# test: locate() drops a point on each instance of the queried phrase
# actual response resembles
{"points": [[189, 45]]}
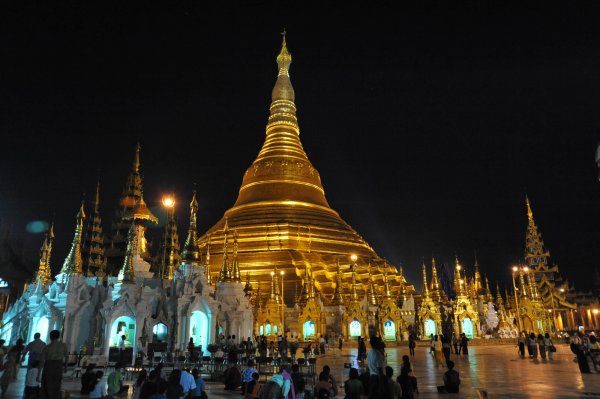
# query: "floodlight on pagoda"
{"points": [[595, 311], [515, 269], [353, 257], [525, 269]]}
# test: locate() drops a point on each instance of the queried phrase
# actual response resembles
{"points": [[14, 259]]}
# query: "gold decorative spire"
{"points": [[235, 267], [277, 293], [207, 264], [371, 293], [387, 293], [436, 291], [458, 281], [522, 285], [191, 252], [354, 294], [44, 273], [273, 295], [425, 291], [499, 300], [532, 286], [171, 268], [73, 262], [142, 212], [529, 212], [127, 273], [304, 294], [337, 299], [477, 286], [488, 293], [402, 295], [224, 273], [92, 247], [311, 288]]}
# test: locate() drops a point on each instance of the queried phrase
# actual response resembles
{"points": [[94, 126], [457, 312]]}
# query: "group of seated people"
{"points": [[154, 385]]}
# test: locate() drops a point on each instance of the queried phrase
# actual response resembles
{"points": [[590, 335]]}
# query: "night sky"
{"points": [[428, 125]]}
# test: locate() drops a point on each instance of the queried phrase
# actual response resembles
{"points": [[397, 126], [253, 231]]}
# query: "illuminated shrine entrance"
{"points": [[309, 329], [389, 330], [160, 333], [199, 329], [124, 325], [355, 328], [467, 327], [429, 327], [43, 325]]}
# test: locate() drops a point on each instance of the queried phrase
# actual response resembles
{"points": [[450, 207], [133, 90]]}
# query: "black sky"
{"points": [[428, 124]]}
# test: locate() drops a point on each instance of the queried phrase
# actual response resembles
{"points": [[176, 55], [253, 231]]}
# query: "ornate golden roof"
{"points": [[281, 215]]}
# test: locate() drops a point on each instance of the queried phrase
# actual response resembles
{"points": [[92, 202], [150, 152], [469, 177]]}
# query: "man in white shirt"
{"points": [[187, 382]]}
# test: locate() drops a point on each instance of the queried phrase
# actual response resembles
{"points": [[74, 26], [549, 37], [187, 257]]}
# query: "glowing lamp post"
{"points": [[169, 203], [281, 273]]}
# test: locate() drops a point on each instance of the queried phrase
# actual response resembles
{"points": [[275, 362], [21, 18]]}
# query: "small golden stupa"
{"points": [[283, 220]]}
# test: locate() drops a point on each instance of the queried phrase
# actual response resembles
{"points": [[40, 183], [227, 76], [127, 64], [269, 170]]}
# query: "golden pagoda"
{"points": [[466, 317], [281, 215], [429, 310]]}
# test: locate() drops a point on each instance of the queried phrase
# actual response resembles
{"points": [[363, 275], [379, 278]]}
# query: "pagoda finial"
{"points": [[284, 59], [171, 269], [436, 291], [387, 293], [425, 291], [337, 299], [371, 294], [458, 282], [44, 271], [97, 198], [354, 293], [224, 273], [529, 212], [235, 267], [191, 252], [207, 263], [73, 263], [136, 158], [498, 294], [488, 293], [304, 294], [283, 89], [127, 272]]}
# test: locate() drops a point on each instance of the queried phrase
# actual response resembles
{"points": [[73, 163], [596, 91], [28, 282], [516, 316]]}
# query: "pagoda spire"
{"points": [[172, 265], [92, 249], [499, 299], [235, 267], [304, 294], [169, 242], [425, 291], [354, 294], [477, 286], [522, 286], [458, 284], [387, 293], [207, 264], [44, 273], [488, 293], [224, 273], [127, 273], [536, 256], [371, 294], [73, 262], [337, 299], [277, 293], [436, 291], [191, 252]]}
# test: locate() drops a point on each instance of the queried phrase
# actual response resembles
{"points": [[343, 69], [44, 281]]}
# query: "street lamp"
{"points": [[169, 204]]}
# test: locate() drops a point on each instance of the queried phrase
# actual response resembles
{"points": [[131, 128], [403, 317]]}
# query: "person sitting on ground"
{"points": [[247, 375], [451, 380], [323, 387], [232, 378], [88, 379], [115, 382], [161, 389], [187, 382], [406, 382], [150, 387], [253, 387], [394, 387], [174, 388], [99, 387], [139, 383], [284, 380], [198, 392], [331, 379], [32, 386], [298, 382], [365, 378], [353, 387]]}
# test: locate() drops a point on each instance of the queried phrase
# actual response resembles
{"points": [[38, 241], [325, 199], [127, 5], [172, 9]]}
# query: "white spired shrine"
{"points": [[95, 312]]}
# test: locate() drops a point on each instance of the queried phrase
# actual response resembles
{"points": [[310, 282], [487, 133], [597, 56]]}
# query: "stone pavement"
{"points": [[495, 369]]}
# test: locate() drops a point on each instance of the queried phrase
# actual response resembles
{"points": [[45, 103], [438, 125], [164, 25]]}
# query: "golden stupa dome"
{"points": [[282, 218]]}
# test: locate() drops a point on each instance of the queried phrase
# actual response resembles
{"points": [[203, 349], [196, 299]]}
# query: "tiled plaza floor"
{"points": [[495, 369]]}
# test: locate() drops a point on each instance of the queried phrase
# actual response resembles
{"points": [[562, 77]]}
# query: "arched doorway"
{"points": [[467, 327], [355, 330], [43, 325], [123, 325], [160, 333], [308, 329], [199, 329], [430, 327], [389, 330]]}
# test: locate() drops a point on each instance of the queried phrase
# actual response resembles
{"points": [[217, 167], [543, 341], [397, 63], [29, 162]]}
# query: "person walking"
{"points": [[340, 342], [541, 346], [521, 344], [451, 380], [362, 349], [432, 344], [455, 343], [34, 348], [11, 367], [464, 342], [532, 346], [412, 343], [32, 386], [393, 386], [375, 365], [53, 363], [529, 345], [437, 350], [446, 347], [549, 346]]}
